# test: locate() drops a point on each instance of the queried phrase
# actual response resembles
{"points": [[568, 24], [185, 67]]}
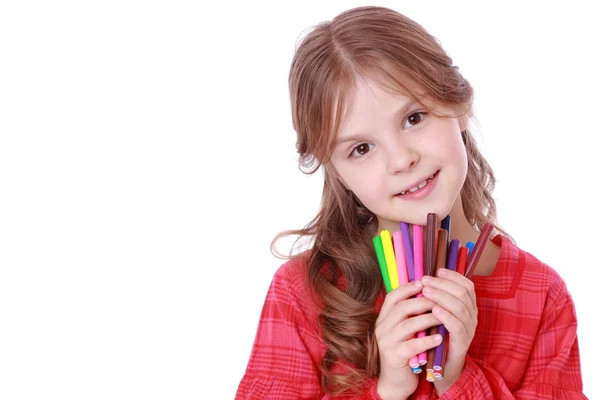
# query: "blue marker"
{"points": [[470, 246]]}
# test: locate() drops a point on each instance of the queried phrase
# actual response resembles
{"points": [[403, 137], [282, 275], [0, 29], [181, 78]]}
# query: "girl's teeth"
{"points": [[420, 186]]}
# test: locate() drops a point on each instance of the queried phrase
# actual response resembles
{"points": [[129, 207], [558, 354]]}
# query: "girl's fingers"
{"points": [[397, 295], [402, 312], [410, 327], [460, 308], [457, 328], [416, 346], [458, 279], [453, 283]]}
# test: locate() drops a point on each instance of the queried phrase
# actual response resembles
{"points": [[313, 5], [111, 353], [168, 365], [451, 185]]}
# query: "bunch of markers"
{"points": [[406, 256]]}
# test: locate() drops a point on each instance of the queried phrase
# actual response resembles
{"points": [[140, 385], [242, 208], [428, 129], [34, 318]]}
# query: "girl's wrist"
{"points": [[386, 392]]}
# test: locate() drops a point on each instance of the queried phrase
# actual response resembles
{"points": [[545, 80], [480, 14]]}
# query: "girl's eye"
{"points": [[415, 118], [360, 150]]}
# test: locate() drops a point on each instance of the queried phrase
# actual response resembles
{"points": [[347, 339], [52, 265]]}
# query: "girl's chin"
{"points": [[393, 222]]}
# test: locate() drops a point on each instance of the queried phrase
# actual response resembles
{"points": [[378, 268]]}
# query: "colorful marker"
{"points": [[461, 266], [470, 246], [451, 264], [430, 251], [390, 258], [478, 250], [408, 251], [440, 262], [402, 275], [445, 224], [400, 258], [382, 264], [430, 245], [419, 271]]}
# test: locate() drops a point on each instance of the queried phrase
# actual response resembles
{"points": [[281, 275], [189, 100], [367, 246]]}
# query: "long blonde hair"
{"points": [[388, 47]]}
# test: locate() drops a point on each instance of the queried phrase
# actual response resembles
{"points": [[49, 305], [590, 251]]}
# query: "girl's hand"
{"points": [[456, 308], [395, 330]]}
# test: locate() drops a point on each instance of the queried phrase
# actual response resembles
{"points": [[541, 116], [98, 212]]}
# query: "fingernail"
{"points": [[426, 279], [437, 310], [442, 272], [418, 284], [437, 338], [427, 290]]}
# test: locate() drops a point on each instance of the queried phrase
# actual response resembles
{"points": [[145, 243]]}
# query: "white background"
{"points": [[147, 160]]}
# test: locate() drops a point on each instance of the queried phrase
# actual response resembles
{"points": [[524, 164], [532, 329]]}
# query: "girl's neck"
{"points": [[462, 230]]}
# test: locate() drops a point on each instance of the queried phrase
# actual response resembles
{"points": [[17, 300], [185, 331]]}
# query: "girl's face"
{"points": [[399, 160]]}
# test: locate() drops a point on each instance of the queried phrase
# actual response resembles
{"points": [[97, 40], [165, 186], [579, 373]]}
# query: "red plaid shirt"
{"points": [[525, 346]]}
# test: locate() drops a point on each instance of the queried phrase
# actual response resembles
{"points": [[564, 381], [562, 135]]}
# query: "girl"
{"points": [[379, 106]]}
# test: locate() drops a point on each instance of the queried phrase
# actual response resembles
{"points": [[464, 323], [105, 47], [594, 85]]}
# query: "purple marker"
{"points": [[451, 262], [453, 255], [408, 251]]}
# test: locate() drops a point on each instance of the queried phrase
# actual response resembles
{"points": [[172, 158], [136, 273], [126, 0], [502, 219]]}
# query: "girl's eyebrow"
{"points": [[351, 138], [357, 136]]}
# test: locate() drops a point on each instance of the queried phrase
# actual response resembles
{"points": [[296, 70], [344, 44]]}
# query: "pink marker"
{"points": [[400, 258], [403, 280], [419, 271]]}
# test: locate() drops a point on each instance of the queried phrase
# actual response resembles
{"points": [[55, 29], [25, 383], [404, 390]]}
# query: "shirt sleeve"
{"points": [[285, 357], [553, 371]]}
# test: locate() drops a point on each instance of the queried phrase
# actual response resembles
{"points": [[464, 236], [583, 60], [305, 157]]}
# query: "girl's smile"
{"points": [[421, 189]]}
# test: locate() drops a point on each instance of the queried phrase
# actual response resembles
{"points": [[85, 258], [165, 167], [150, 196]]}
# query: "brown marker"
{"points": [[442, 248], [430, 249], [430, 245]]}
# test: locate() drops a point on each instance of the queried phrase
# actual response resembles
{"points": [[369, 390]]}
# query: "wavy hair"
{"points": [[343, 274]]}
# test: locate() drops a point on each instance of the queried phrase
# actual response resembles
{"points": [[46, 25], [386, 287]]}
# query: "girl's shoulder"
{"points": [[518, 270], [293, 270], [290, 285]]}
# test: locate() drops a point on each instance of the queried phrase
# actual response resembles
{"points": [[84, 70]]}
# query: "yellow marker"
{"points": [[430, 377], [390, 257]]}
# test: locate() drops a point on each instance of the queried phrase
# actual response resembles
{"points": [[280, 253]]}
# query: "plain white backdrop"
{"points": [[147, 160]]}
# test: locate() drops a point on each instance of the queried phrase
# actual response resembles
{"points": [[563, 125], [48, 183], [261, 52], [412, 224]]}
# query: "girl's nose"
{"points": [[401, 157]]}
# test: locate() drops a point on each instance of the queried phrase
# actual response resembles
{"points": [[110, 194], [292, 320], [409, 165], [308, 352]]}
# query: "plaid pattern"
{"points": [[525, 346]]}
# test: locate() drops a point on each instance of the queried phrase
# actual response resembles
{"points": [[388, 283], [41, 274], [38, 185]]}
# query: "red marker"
{"points": [[478, 250]]}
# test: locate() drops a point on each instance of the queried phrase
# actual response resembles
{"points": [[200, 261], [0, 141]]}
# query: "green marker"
{"points": [[382, 263]]}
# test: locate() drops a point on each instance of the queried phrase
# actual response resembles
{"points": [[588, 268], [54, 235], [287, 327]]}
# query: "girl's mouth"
{"points": [[420, 185]]}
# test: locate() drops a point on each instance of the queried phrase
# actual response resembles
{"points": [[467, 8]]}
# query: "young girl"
{"points": [[378, 105]]}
